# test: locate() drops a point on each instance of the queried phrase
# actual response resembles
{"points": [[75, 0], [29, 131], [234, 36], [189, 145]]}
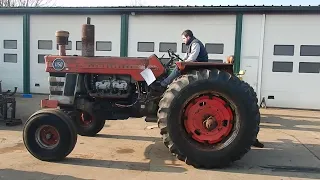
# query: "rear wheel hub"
{"points": [[210, 123], [208, 119], [85, 119]]}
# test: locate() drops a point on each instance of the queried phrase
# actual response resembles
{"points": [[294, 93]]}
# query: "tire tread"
{"points": [[214, 75]]}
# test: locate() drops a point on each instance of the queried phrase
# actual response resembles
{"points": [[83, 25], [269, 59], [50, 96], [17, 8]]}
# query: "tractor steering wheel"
{"points": [[173, 57]]}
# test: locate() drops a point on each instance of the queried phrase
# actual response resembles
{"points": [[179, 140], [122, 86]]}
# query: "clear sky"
{"points": [[183, 2]]}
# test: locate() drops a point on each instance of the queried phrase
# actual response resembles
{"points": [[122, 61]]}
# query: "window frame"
{"points": [[305, 45], [287, 62], [103, 42], [45, 48], [78, 49], [4, 43], [317, 63], [279, 45], [153, 46], [173, 43], [205, 46], [4, 57], [66, 46]]}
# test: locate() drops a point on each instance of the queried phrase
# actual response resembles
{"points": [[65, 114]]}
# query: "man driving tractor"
{"points": [[196, 52]]}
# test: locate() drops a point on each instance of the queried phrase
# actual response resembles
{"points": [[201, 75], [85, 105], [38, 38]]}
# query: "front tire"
{"points": [[49, 135], [209, 118]]}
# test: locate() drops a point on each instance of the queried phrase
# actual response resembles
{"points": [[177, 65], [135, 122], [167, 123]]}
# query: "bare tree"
{"points": [[26, 3], [6, 3], [137, 3]]}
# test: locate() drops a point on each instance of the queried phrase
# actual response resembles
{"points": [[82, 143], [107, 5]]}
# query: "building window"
{"points": [[184, 48], [41, 58], [310, 50], [309, 67], [10, 44], [282, 66], [145, 46], [68, 46], [214, 48], [79, 45], [45, 44], [165, 46], [283, 50], [104, 45], [11, 58]]}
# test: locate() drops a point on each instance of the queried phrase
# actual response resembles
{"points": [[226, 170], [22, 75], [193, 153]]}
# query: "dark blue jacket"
{"points": [[203, 54]]}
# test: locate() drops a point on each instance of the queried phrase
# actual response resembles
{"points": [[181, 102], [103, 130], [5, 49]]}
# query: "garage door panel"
{"points": [[11, 52], [290, 99], [43, 41], [217, 32], [291, 69]]}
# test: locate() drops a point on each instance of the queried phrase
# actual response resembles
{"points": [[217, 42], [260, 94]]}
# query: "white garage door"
{"points": [[43, 41], [11, 52], [291, 64], [157, 33]]}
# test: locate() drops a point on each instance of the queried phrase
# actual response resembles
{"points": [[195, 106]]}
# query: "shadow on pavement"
{"points": [[110, 164], [157, 156], [135, 138], [11, 174], [290, 123], [282, 158]]}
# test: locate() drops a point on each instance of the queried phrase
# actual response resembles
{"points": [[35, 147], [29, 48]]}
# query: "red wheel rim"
{"points": [[208, 119], [85, 118], [47, 136]]}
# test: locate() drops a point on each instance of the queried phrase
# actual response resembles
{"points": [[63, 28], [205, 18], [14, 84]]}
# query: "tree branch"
{"points": [[27, 3], [137, 3]]}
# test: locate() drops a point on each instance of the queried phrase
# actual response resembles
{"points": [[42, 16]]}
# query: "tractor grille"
{"points": [[63, 86], [56, 85]]}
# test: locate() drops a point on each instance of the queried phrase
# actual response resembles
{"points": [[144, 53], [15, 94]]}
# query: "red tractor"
{"points": [[207, 117]]}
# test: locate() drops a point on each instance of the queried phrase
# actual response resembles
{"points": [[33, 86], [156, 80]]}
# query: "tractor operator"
{"points": [[196, 52]]}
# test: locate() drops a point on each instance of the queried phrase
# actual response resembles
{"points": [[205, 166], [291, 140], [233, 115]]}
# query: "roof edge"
{"points": [[160, 9]]}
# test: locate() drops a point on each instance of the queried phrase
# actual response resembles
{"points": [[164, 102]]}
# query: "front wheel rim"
{"points": [[47, 137]]}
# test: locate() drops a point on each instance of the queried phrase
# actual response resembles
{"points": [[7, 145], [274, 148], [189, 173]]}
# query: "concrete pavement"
{"points": [[128, 149]]}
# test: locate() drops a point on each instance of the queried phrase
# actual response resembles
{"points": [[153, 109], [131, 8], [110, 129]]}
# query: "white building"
{"points": [[278, 46]]}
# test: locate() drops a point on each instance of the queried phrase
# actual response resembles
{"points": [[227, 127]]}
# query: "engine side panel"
{"points": [[111, 86], [104, 65]]}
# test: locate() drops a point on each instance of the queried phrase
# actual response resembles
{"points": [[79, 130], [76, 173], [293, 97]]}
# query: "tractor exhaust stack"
{"points": [[88, 39]]}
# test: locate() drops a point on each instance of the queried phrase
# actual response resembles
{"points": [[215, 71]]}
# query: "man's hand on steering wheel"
{"points": [[172, 57]]}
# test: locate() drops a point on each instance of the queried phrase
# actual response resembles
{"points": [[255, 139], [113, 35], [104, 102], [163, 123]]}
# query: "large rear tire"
{"points": [[209, 118], [49, 135]]}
